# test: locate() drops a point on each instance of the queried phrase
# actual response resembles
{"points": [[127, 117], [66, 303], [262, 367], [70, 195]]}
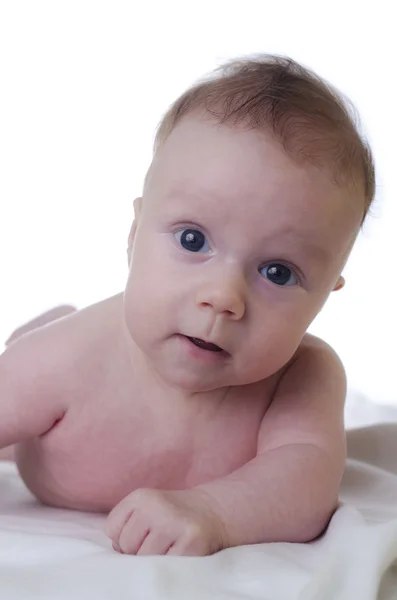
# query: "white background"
{"points": [[82, 87]]}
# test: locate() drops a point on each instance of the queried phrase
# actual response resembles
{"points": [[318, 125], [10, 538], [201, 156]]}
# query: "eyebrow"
{"points": [[320, 253]]}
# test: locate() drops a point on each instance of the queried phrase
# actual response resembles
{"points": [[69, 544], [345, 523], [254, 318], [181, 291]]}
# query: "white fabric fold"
{"points": [[52, 554]]}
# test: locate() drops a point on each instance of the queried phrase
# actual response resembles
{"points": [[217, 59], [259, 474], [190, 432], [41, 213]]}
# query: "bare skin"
{"points": [[170, 463], [48, 317], [195, 449]]}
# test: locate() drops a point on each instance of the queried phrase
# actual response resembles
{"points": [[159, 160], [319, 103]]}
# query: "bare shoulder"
{"points": [[28, 404], [47, 356], [45, 370], [313, 342], [314, 366], [48, 316], [308, 405], [29, 400], [315, 352]]}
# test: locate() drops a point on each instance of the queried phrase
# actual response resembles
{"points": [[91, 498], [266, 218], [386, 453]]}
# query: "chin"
{"points": [[191, 385], [189, 382]]}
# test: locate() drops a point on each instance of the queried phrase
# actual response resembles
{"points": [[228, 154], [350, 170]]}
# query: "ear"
{"points": [[131, 236], [339, 284]]}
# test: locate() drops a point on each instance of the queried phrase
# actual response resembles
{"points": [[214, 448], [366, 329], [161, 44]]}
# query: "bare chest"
{"points": [[96, 454]]}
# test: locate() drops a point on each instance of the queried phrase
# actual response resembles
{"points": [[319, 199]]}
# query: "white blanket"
{"points": [[63, 555]]}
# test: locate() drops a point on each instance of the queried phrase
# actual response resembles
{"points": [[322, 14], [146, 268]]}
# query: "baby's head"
{"points": [[258, 187]]}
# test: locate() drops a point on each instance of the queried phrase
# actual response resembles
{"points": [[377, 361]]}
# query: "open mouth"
{"points": [[204, 345]]}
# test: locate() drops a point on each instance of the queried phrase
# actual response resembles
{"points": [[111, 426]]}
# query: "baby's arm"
{"points": [[290, 490], [28, 405]]}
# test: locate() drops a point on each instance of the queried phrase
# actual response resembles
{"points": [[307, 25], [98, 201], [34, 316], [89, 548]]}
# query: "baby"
{"points": [[194, 406]]}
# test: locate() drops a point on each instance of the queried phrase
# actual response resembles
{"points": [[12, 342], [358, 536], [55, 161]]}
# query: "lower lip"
{"points": [[200, 353]]}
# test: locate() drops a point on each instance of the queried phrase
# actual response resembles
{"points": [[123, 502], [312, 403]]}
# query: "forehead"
{"points": [[233, 173]]}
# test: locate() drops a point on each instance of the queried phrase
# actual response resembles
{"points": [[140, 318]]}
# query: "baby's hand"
{"points": [[178, 523]]}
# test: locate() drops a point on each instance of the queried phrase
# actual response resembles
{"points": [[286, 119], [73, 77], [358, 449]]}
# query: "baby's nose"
{"points": [[227, 297]]}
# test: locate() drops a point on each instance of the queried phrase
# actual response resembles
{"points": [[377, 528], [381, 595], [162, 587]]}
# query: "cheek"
{"points": [[275, 341], [136, 310], [139, 295], [148, 295], [277, 349]]}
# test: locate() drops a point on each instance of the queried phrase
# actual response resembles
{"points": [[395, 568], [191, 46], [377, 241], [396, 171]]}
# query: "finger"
{"points": [[117, 519], [184, 547], [177, 550], [155, 544], [133, 534]]}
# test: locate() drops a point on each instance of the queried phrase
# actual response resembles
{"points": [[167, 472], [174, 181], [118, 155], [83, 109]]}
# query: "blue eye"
{"points": [[192, 240], [279, 274]]}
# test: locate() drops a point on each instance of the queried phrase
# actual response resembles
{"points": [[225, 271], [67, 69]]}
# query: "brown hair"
{"points": [[310, 118]]}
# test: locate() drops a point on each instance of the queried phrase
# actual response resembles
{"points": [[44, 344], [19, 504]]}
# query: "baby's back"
{"points": [[118, 432]]}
